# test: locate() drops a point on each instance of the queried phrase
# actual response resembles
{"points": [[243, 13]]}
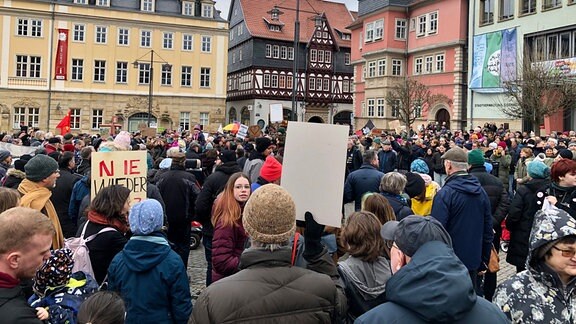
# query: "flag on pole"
{"points": [[64, 124]]}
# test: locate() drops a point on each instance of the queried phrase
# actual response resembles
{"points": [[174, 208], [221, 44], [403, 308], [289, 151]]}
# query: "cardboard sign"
{"points": [[126, 168], [317, 187], [254, 131], [148, 132], [276, 113], [242, 131], [395, 125], [376, 131]]}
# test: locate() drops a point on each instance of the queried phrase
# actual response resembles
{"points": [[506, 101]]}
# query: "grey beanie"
{"points": [[40, 167]]}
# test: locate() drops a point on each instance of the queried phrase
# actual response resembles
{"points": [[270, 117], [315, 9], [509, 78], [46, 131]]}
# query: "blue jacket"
{"points": [[387, 161], [399, 205], [463, 208], [366, 179], [434, 287], [152, 280], [80, 190]]}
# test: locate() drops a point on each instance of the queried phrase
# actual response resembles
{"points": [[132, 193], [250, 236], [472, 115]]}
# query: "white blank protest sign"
{"points": [[314, 173], [276, 113]]}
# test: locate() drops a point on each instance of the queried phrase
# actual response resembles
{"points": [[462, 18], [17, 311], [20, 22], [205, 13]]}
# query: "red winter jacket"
{"points": [[227, 246]]}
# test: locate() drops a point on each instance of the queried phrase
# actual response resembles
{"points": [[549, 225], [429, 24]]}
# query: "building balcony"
{"points": [[27, 82]]}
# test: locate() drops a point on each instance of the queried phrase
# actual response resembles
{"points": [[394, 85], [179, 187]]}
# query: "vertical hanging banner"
{"points": [[125, 168], [494, 60], [62, 55]]}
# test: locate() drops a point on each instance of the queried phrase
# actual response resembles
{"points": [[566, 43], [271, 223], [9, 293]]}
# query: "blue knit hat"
{"points": [[419, 166], [538, 170], [146, 217]]}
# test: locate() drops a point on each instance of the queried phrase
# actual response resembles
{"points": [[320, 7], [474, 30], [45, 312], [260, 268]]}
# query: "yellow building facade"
{"points": [[97, 59]]}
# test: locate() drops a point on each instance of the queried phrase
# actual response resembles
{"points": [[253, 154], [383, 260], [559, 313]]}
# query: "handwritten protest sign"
{"points": [[242, 131], [317, 187], [128, 169]]}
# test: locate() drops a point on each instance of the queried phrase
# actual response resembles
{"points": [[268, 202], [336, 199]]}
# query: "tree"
{"points": [[539, 89], [408, 97]]}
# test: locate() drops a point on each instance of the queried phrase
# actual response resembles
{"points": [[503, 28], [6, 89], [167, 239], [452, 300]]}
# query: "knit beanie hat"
{"points": [[502, 144], [538, 170], [146, 217], [475, 157], [40, 167], [123, 139], [228, 156], [419, 166], [54, 272], [565, 153], [415, 185], [262, 143], [21, 162], [4, 154], [270, 215], [271, 169]]}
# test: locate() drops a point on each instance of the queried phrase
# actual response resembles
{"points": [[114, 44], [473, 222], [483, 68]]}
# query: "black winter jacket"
{"points": [[438, 163], [498, 195], [61, 200], [404, 158], [14, 308], [387, 161]]}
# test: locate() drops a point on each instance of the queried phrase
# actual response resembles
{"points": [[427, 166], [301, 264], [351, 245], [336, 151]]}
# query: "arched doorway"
{"points": [[443, 116], [140, 118], [316, 119], [343, 118], [232, 115], [245, 116]]}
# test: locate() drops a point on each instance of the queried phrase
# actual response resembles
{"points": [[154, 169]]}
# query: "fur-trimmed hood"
{"points": [[16, 173]]}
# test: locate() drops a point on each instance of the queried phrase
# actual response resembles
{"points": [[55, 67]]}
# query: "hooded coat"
{"points": [[13, 178], [434, 287], [152, 280], [536, 295]]}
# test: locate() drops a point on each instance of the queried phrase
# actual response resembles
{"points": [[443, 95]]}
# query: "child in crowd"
{"points": [[104, 307]]}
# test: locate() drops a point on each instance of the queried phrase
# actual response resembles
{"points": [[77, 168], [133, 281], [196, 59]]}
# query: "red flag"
{"points": [[64, 124]]}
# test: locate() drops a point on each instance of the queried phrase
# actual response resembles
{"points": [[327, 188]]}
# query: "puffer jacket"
{"points": [[537, 295], [227, 247], [497, 194], [269, 290]]}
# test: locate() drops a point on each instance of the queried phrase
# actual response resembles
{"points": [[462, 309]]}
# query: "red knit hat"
{"points": [[271, 169], [502, 144]]}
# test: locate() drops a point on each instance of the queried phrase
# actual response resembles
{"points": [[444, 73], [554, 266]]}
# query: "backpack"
{"points": [[80, 251]]}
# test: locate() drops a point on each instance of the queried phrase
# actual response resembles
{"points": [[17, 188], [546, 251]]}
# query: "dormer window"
{"points": [[275, 13], [188, 8], [275, 28], [147, 5], [207, 10], [346, 36]]}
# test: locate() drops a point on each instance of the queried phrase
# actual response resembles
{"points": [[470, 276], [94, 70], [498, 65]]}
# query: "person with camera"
{"points": [[504, 160]]}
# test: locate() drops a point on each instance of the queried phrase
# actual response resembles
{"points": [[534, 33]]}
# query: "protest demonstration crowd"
{"points": [[432, 209]]}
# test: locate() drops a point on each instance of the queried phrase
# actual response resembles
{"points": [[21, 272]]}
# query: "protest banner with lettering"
{"points": [[128, 169], [242, 131], [317, 187]]}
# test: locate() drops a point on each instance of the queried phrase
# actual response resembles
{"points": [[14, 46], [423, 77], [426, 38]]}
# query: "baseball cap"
{"points": [[455, 154], [413, 231]]}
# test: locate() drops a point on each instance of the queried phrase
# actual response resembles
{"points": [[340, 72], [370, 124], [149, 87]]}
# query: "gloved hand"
{"points": [[312, 237]]}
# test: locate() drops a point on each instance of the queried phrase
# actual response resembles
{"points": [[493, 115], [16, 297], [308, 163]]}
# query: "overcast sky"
{"points": [[224, 5]]}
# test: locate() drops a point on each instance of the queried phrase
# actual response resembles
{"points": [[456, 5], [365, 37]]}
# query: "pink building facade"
{"points": [[424, 40]]}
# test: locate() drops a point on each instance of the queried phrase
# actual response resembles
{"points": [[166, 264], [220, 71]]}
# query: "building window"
{"points": [[206, 44], [22, 27], [370, 107], [187, 42], [145, 38], [266, 83], [282, 82], [204, 120], [400, 29], [486, 11], [291, 53], [233, 58], [346, 58], [506, 9], [289, 82], [313, 55], [240, 55], [327, 56], [549, 4], [319, 84], [381, 67], [26, 116], [268, 50], [185, 120], [101, 34], [204, 77], [421, 25], [274, 81], [79, 33], [123, 36], [207, 10], [552, 45], [418, 65], [103, 3], [36, 30], [428, 64], [380, 107], [75, 118], [378, 29], [77, 70], [283, 52], [166, 76], [240, 29], [21, 66], [188, 8], [99, 71], [369, 32], [396, 109], [417, 110], [528, 6], [440, 63], [97, 118], [371, 69], [326, 84], [29, 27], [312, 83], [433, 22], [345, 86], [143, 73], [28, 66], [321, 56], [121, 72], [81, 1], [396, 67], [147, 5], [186, 76], [168, 41], [275, 51]]}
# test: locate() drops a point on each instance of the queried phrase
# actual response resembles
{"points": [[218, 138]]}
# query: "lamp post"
{"points": [[165, 65]]}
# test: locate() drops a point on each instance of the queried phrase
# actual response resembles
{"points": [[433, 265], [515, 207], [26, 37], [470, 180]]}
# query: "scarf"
{"points": [[37, 197], [97, 218], [7, 281]]}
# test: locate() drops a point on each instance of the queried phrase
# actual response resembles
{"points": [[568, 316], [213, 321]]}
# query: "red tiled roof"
{"points": [[256, 14]]}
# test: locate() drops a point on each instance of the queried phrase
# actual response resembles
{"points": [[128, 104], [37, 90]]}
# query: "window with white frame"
{"points": [[103, 3], [506, 9], [396, 67], [276, 51], [439, 62], [421, 25], [26, 116], [81, 1], [101, 34], [184, 120], [312, 83], [147, 5], [232, 34], [370, 104], [75, 115], [21, 66], [382, 67], [121, 72], [428, 63], [283, 52], [166, 75], [233, 57], [187, 42], [36, 28], [328, 56], [168, 40], [206, 44], [433, 22], [99, 71], [291, 53], [417, 111], [29, 27], [326, 84], [143, 73], [549, 4], [207, 10], [240, 55], [313, 55], [319, 84], [400, 29], [395, 109], [188, 8], [418, 63], [266, 82], [345, 86], [22, 29], [289, 82], [268, 52], [28, 66], [369, 32], [527, 6], [205, 77], [186, 76], [240, 29], [380, 107], [204, 118], [123, 36], [346, 58], [145, 38], [97, 118], [282, 81], [371, 69], [321, 56], [79, 32], [274, 81], [77, 70], [378, 29]]}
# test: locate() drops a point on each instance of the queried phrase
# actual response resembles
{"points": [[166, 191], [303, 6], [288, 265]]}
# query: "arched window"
{"points": [[232, 115]]}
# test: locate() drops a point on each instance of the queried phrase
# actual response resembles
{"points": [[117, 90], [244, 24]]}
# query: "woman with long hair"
{"points": [[229, 236]]}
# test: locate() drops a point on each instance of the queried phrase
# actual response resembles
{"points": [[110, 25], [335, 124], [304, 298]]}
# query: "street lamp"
{"points": [[165, 66]]}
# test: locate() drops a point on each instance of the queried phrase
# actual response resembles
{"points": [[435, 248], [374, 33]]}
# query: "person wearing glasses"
{"points": [[545, 292]]}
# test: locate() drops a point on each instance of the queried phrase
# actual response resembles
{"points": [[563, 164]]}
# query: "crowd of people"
{"points": [[429, 210]]}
